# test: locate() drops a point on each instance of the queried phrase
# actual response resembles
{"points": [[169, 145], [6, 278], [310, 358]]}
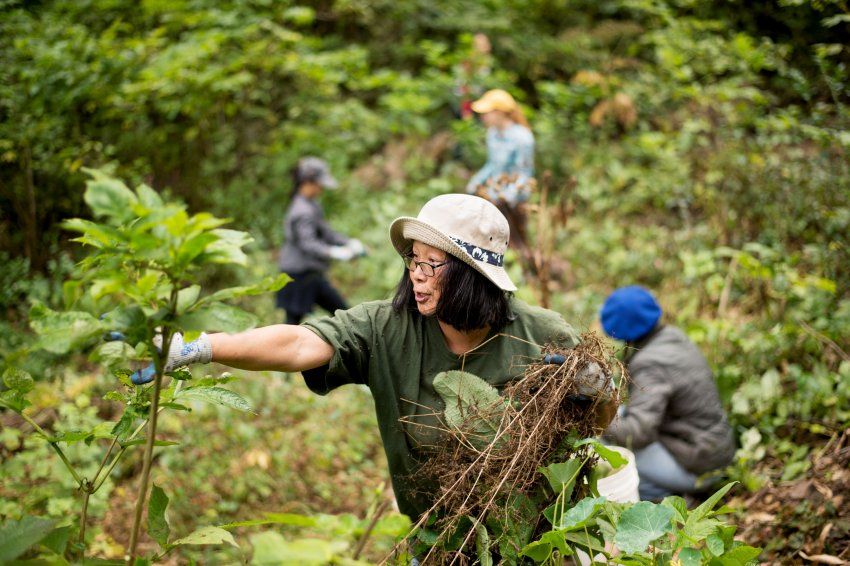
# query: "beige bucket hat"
{"points": [[468, 227]]}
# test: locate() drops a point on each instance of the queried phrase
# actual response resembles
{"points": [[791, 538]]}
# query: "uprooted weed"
{"points": [[476, 475]]}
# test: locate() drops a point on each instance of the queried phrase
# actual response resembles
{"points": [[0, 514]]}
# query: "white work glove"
{"points": [[341, 253], [179, 354], [356, 247], [594, 382]]}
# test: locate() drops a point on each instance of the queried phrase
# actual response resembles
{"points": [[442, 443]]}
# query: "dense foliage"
{"points": [[698, 148]]}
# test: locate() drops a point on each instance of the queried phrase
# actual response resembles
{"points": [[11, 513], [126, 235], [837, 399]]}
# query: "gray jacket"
{"points": [[308, 238], [673, 399]]}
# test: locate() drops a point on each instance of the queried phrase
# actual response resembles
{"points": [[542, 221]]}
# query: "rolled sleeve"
{"points": [[350, 333]]}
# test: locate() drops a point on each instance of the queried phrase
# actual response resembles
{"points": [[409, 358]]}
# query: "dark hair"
{"points": [[473, 302]]}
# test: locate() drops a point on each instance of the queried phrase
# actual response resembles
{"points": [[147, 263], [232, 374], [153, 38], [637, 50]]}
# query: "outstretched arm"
{"points": [[280, 347]]}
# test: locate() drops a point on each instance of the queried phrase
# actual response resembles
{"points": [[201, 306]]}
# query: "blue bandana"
{"points": [[480, 254]]}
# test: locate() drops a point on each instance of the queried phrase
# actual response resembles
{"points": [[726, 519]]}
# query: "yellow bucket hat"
{"points": [[496, 99]]}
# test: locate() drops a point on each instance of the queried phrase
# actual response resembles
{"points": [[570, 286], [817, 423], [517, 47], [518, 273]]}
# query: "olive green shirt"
{"points": [[397, 354]]}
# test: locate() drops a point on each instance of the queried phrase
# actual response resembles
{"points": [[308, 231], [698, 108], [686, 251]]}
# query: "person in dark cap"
{"points": [[310, 244], [673, 421]]}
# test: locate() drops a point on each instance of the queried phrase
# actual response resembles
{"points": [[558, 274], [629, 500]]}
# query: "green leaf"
{"points": [[271, 548], [207, 535], [470, 403], [268, 285], [581, 513], [216, 316], [228, 248], [742, 555], [690, 557], [678, 505], [124, 424], [107, 196], [157, 523], [72, 436], [292, 519], [186, 298], [705, 508], [57, 540], [18, 379], [562, 476], [61, 332], [714, 544], [148, 197], [641, 524], [610, 455], [539, 550], [17, 536], [482, 545], [218, 396]]}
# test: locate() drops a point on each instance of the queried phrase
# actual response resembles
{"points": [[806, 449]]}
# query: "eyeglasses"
{"points": [[428, 269]]}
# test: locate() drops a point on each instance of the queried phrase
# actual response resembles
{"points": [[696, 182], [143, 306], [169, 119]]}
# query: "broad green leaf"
{"points": [[539, 550], [57, 540], [471, 404], [186, 298], [218, 396], [228, 247], [71, 436], [113, 354], [157, 523], [270, 548], [581, 513], [207, 535], [18, 379], [61, 332], [562, 476], [690, 557], [124, 424], [148, 197], [393, 525], [17, 536], [740, 556], [641, 524], [610, 455], [714, 544], [678, 505], [267, 285], [216, 316], [14, 399], [107, 196]]}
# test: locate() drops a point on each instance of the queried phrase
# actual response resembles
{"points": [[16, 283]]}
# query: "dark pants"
{"points": [[305, 290]]}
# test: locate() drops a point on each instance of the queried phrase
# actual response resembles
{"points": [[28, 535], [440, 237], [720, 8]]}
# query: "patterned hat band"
{"points": [[480, 254]]}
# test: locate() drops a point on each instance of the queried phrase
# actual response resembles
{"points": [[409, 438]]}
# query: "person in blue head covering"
{"points": [[673, 420]]}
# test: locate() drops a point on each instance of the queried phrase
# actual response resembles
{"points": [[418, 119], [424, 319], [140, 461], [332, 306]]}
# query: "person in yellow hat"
{"points": [[507, 178]]}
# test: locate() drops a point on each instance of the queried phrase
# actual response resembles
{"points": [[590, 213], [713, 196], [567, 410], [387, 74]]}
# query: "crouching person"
{"points": [[673, 420]]}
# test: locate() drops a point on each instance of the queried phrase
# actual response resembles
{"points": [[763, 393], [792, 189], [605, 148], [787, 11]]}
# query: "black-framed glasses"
{"points": [[429, 269]]}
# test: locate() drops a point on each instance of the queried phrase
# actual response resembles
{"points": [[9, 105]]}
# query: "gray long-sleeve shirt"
{"points": [[308, 237], [673, 399]]}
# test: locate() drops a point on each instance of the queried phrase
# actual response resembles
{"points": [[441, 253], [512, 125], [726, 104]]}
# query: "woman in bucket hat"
{"points": [[452, 310], [507, 178]]}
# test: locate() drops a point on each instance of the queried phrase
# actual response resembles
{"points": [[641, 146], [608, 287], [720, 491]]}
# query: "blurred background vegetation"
{"points": [[698, 148]]}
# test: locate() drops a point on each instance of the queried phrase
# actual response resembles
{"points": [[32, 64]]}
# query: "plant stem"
{"points": [[365, 536], [55, 447], [146, 465], [87, 491]]}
